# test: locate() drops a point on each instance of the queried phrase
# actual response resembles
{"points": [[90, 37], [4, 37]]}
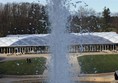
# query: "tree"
{"points": [[38, 18], [23, 18], [106, 19], [84, 20]]}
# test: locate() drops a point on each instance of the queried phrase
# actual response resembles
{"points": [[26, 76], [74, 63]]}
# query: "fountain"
{"points": [[59, 67]]}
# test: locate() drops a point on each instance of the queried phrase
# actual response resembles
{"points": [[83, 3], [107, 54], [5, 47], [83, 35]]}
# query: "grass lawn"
{"points": [[98, 63], [22, 67]]}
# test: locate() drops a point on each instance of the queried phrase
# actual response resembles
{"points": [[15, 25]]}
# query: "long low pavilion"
{"points": [[79, 42]]}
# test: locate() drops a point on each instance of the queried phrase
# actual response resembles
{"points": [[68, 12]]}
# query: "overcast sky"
{"points": [[97, 5]]}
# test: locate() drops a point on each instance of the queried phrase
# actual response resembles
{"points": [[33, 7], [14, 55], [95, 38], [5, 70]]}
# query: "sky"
{"points": [[97, 5]]}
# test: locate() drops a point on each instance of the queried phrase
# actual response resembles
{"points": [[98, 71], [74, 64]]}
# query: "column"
{"points": [[4, 50], [73, 49], [90, 48], [9, 50], [84, 48], [107, 47], [30, 49], [95, 48], [113, 47], [22, 49], [87, 48], [77, 49], [104, 47], [1, 50], [100, 47], [19, 49]]}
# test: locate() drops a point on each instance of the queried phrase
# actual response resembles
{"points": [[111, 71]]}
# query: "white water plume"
{"points": [[59, 68]]}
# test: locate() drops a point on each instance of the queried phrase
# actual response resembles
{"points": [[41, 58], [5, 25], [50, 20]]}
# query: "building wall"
{"points": [[72, 49]]}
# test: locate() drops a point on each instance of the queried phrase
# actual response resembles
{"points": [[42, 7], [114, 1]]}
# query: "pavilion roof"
{"points": [[43, 39]]}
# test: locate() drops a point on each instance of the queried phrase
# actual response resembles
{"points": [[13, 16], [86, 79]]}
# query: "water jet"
{"points": [[59, 66]]}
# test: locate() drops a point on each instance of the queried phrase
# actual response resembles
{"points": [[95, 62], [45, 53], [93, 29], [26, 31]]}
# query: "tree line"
{"points": [[22, 18], [91, 21], [32, 18]]}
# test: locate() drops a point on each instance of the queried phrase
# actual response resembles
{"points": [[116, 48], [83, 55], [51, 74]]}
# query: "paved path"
{"points": [[4, 57], [74, 65], [34, 79]]}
